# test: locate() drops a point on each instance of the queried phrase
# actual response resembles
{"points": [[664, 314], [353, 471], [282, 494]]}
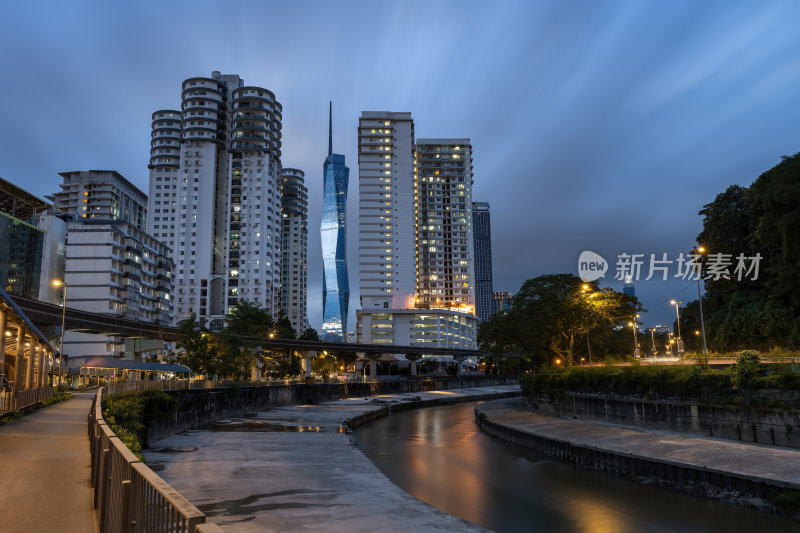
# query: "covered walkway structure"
{"points": [[25, 358], [99, 370]]}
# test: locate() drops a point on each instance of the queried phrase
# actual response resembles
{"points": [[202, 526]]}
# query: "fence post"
{"points": [[125, 511]]}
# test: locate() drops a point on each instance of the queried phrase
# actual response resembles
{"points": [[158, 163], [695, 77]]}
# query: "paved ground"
{"points": [[293, 469], [752, 461], [44, 461]]}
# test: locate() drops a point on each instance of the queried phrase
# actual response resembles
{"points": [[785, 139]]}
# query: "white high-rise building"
{"points": [[387, 248], [112, 265], [219, 210], [294, 234], [415, 237]]}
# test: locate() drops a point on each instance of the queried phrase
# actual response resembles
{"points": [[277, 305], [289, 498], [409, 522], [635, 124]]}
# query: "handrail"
{"points": [[128, 496], [10, 401]]}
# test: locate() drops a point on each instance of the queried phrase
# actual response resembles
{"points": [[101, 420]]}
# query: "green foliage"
{"points": [[746, 369], [689, 381], [788, 499], [286, 367], [229, 353], [551, 317], [310, 334], [130, 415], [765, 219], [283, 329]]}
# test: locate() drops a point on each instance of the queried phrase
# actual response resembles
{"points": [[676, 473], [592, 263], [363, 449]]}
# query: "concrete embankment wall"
{"points": [[735, 422], [690, 478], [366, 418], [202, 406]]}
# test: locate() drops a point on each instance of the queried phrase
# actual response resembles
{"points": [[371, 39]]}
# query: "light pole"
{"points": [[635, 326], [701, 250], [679, 341], [58, 283], [586, 287], [653, 338]]}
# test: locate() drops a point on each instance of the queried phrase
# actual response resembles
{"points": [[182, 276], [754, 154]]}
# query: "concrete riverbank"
{"points": [[749, 474], [294, 468]]}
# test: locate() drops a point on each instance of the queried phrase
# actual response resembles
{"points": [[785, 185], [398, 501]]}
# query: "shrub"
{"points": [[746, 369], [130, 415]]}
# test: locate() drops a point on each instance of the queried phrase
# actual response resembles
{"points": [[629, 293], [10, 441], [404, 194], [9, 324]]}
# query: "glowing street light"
{"points": [[61, 283], [678, 315], [701, 250]]}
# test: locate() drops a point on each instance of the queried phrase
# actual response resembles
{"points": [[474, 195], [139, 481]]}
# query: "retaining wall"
{"points": [[766, 426], [202, 406], [688, 478]]}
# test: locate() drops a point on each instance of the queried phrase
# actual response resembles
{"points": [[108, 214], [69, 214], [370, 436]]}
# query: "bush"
{"points": [[130, 415], [746, 370]]}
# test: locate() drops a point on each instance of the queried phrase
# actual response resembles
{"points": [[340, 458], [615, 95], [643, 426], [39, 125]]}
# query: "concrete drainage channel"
{"points": [[693, 479]]}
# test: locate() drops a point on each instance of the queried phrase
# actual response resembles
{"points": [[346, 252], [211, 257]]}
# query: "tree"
{"points": [[283, 329], [199, 352], [761, 219], [550, 315], [310, 334]]}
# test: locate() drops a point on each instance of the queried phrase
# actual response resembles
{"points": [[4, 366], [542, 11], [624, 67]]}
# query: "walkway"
{"points": [[294, 469], [757, 462], [44, 462]]}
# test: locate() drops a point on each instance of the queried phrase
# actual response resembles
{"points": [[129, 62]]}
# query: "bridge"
{"points": [[47, 314]]}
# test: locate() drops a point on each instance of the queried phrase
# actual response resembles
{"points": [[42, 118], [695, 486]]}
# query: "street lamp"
{"points": [[59, 283], [702, 250], [635, 326], [653, 338], [586, 287], [678, 316]]}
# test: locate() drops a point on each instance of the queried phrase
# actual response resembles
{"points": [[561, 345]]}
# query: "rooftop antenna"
{"points": [[330, 127]]}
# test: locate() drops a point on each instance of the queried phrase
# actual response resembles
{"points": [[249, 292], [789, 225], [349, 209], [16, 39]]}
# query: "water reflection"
{"points": [[439, 456]]}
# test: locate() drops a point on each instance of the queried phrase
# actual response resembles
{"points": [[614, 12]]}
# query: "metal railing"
{"points": [[128, 496], [10, 401]]}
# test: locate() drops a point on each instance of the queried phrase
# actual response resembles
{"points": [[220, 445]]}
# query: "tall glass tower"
{"points": [[335, 284]]}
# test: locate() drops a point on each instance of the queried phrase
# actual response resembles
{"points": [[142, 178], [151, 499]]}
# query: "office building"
{"points": [[112, 265], [219, 209], [397, 212], [628, 288], [21, 241], [482, 244], [502, 301], [294, 248], [333, 235]]}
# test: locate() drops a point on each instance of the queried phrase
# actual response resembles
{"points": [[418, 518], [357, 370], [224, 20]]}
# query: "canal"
{"points": [[439, 456]]}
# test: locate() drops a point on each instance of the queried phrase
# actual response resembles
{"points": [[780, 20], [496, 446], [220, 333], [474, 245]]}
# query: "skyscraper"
{"points": [[415, 236], [219, 208], [445, 269], [387, 246], [335, 282], [294, 247], [482, 239]]}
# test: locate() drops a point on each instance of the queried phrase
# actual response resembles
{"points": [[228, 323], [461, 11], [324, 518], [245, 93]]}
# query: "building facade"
{"points": [[502, 301], [445, 257], [333, 236], [482, 244], [112, 264], [224, 196], [415, 236], [294, 248], [22, 242], [386, 210]]}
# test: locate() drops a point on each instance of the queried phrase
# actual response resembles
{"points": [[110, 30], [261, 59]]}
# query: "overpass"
{"points": [[47, 314]]}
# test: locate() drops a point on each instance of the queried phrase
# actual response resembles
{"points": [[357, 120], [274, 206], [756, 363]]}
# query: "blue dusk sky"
{"points": [[596, 125]]}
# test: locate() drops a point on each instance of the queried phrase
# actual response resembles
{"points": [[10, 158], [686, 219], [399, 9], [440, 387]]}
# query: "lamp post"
{"points": [[635, 326], [679, 341], [58, 283], [653, 338], [586, 287], [701, 250]]}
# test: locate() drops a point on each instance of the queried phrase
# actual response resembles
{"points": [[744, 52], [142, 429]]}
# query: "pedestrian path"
{"points": [[44, 461], [773, 465]]}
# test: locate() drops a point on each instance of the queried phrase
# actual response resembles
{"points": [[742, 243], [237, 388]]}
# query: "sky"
{"points": [[595, 125]]}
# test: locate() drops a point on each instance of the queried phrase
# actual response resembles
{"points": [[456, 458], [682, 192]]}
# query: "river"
{"points": [[439, 456]]}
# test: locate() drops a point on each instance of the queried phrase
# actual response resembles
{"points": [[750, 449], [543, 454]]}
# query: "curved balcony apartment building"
{"points": [[219, 208]]}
